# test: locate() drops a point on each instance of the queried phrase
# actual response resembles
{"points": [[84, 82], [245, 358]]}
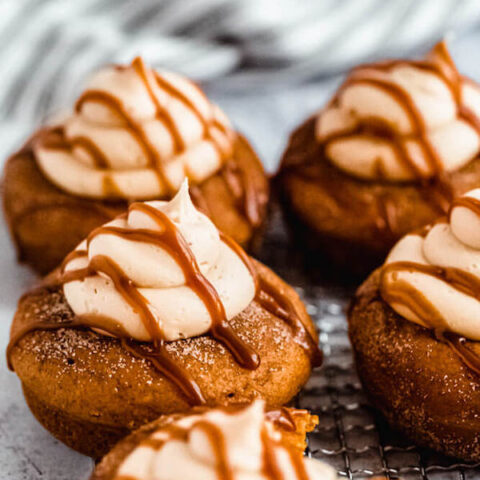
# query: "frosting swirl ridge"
{"points": [[432, 278], [217, 444], [402, 120], [136, 133], [154, 272]]}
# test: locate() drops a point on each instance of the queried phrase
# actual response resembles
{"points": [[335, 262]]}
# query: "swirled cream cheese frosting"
{"points": [[136, 134], [162, 270], [402, 120], [432, 277], [222, 445]]}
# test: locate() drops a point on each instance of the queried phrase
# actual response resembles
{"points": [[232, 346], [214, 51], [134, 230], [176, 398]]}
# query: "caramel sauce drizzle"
{"points": [[176, 245], [240, 187], [408, 296], [135, 128], [243, 192], [100, 160], [437, 190], [284, 418], [278, 304], [470, 203], [169, 238], [162, 113], [270, 469]]}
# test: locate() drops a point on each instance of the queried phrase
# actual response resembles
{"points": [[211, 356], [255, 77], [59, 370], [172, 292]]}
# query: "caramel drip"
{"points": [[274, 301], [135, 128], [416, 119], [53, 139], [161, 112], [470, 203], [278, 304], [298, 464], [165, 85], [184, 257], [271, 468], [217, 441], [243, 192], [99, 159], [173, 91], [462, 281], [56, 140], [127, 289], [79, 323], [438, 191], [459, 346], [110, 187], [446, 71], [179, 95], [414, 300], [283, 417], [16, 336], [387, 221], [74, 254], [233, 175], [161, 359], [172, 370]]}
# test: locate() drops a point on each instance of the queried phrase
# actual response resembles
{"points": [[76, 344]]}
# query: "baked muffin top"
{"points": [[161, 273]]}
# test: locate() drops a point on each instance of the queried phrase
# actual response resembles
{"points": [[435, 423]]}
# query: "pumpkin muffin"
{"points": [[134, 135], [154, 313], [414, 328], [398, 141], [240, 442]]}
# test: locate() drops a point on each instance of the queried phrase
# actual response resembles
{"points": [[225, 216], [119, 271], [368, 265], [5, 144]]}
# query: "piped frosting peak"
{"points": [[136, 133], [402, 120], [173, 257]]}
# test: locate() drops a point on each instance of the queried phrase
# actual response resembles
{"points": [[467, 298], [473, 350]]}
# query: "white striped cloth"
{"points": [[48, 47]]}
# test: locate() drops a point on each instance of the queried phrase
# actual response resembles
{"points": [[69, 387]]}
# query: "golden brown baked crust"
{"points": [[417, 382], [107, 468], [89, 391], [355, 222], [47, 223]]}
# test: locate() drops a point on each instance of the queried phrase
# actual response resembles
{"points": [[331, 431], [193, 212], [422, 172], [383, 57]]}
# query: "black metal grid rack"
{"points": [[351, 435]]}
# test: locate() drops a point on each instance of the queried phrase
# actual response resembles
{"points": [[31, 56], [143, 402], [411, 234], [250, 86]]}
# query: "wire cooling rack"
{"points": [[351, 435]]}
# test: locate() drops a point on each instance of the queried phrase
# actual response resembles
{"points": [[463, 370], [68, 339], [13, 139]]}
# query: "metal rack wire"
{"points": [[351, 435]]}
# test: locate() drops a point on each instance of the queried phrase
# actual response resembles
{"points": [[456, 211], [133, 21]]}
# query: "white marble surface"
{"points": [[27, 451]]}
